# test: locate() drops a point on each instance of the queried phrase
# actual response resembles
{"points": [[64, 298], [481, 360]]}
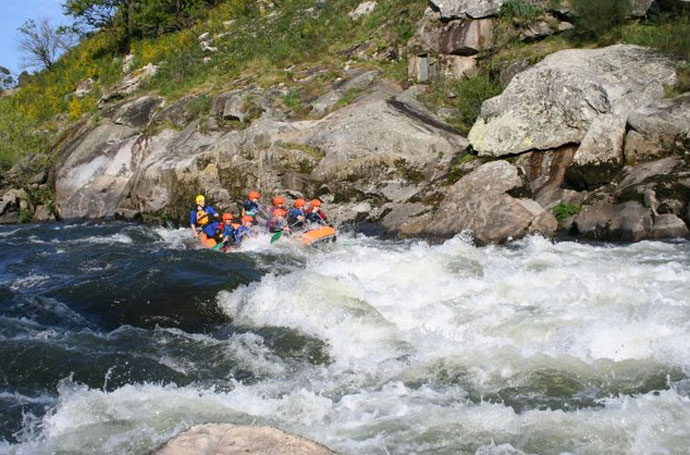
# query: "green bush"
{"points": [[597, 17], [471, 93], [565, 210]]}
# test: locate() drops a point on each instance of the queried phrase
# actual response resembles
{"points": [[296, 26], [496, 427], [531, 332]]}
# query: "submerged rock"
{"points": [[226, 439]]}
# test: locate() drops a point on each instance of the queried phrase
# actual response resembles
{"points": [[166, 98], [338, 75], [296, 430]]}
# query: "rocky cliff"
{"points": [[585, 129]]}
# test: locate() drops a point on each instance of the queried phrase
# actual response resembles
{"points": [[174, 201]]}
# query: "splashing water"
{"points": [[368, 346]]}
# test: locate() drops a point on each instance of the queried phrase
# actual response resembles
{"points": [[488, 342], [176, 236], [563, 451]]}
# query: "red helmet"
{"points": [[279, 212], [227, 216], [314, 203], [278, 200], [254, 195], [299, 203], [247, 219]]}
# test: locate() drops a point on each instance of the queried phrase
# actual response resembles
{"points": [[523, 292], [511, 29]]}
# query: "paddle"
{"points": [[277, 236]]}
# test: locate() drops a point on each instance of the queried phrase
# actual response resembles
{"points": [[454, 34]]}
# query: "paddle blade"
{"points": [[276, 236], [218, 246]]}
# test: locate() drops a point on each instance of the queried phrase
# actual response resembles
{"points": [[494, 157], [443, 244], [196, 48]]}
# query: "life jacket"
{"points": [[202, 217]]}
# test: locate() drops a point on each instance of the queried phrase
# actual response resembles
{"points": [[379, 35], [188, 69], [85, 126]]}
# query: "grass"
{"points": [[519, 9]]}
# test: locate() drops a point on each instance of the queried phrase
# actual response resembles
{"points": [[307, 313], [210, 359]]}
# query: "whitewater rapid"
{"points": [[376, 347]]}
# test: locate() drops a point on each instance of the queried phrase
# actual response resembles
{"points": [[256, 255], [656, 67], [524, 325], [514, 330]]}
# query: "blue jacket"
{"points": [[242, 232], [293, 214], [214, 229], [193, 215], [251, 208]]}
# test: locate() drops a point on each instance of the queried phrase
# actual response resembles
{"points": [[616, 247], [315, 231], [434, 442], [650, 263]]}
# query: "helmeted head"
{"points": [[253, 195], [200, 199], [247, 219], [299, 203], [278, 201], [227, 217], [279, 213], [314, 203]]}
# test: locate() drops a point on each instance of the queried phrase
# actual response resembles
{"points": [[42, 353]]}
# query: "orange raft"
{"points": [[322, 234], [209, 242]]}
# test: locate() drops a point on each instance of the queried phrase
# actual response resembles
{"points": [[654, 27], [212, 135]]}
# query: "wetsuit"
{"points": [[251, 208], [276, 225], [240, 234], [318, 217]]}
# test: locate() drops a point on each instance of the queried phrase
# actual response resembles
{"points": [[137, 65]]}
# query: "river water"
{"points": [[115, 337]]}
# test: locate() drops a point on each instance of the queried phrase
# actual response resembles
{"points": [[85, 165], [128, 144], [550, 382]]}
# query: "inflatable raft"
{"points": [[321, 234], [209, 242]]}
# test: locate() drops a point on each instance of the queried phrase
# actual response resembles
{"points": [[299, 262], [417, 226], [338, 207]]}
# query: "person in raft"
{"points": [[296, 217], [278, 222], [314, 213], [201, 214], [278, 203], [251, 207], [246, 230]]}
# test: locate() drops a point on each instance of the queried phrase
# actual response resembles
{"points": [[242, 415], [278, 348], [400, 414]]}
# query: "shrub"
{"points": [[520, 9], [471, 93], [565, 210], [597, 17]]}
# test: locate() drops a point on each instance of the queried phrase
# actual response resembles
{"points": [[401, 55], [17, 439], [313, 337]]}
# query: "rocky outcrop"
{"points": [[226, 439], [493, 204], [358, 83], [129, 84], [659, 129], [462, 9], [555, 102]]}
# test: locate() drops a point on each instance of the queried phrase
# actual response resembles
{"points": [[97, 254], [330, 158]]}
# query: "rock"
{"points": [[481, 202], [375, 134], [639, 8], [84, 87], [204, 36], [604, 220], [93, 178], [32, 169], [511, 70], [600, 155], [129, 84], [659, 129], [543, 27], [546, 174], [364, 9], [126, 214], [668, 226], [11, 200], [226, 439], [463, 9], [457, 67], [128, 63], [327, 101], [138, 112], [555, 102], [42, 213], [456, 37], [180, 113]]}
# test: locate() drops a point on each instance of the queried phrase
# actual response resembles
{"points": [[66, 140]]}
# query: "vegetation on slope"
{"points": [[302, 44]]}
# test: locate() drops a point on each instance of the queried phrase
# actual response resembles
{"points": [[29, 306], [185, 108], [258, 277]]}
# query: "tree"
{"points": [[42, 44], [6, 80]]}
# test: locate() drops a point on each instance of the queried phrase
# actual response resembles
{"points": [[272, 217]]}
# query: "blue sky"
{"points": [[13, 13]]}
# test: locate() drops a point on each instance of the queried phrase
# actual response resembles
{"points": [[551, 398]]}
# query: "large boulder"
{"points": [[462, 9], [456, 37], [376, 135], [358, 83], [129, 84], [555, 102], [226, 439], [493, 204], [92, 178], [605, 220], [659, 129]]}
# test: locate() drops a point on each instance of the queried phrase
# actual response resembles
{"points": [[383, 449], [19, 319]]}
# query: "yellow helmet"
{"points": [[200, 198]]}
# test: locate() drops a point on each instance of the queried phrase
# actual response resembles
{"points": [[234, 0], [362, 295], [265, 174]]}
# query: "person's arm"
{"points": [[192, 222], [212, 211]]}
